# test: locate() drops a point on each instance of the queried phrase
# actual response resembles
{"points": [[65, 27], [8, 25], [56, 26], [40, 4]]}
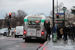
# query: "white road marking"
{"points": [[64, 47]]}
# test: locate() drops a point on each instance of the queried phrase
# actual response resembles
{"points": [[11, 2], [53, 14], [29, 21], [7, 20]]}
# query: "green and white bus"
{"points": [[34, 27]]}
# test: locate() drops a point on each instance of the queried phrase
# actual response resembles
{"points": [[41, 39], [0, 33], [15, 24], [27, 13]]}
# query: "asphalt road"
{"points": [[11, 43]]}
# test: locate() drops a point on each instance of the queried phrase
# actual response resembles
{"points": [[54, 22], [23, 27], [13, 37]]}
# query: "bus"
{"points": [[34, 27]]}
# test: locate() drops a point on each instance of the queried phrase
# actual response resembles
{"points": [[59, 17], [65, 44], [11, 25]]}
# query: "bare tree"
{"points": [[21, 13], [16, 18], [13, 14], [60, 6]]}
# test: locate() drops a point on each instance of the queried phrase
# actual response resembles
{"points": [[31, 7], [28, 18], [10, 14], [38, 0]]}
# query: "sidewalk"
{"points": [[60, 45]]}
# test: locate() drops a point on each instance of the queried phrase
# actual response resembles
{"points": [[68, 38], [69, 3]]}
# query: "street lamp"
{"points": [[64, 9], [57, 6], [53, 20]]}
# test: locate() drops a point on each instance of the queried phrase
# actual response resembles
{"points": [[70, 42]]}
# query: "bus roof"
{"points": [[41, 16]]}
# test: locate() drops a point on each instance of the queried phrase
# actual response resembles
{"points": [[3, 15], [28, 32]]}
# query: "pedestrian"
{"points": [[73, 31], [55, 30], [58, 32], [61, 32], [47, 27], [65, 33], [68, 31], [54, 34]]}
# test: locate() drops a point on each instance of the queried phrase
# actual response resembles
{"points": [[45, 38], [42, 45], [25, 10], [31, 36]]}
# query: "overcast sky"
{"points": [[31, 6]]}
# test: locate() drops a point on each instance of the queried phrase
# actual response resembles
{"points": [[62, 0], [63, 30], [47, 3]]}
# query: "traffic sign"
{"points": [[60, 13]]}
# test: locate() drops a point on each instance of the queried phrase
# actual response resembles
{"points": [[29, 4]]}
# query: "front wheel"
{"points": [[46, 37], [4, 34], [43, 40]]}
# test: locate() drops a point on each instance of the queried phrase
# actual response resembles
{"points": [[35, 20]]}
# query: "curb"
{"points": [[41, 48]]}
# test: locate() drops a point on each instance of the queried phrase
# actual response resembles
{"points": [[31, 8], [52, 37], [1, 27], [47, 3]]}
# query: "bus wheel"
{"points": [[46, 37], [15, 36], [43, 40]]}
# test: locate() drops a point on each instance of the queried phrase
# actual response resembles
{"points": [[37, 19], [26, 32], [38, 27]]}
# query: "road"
{"points": [[11, 43]]}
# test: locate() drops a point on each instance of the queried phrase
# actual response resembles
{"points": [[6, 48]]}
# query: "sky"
{"points": [[31, 6]]}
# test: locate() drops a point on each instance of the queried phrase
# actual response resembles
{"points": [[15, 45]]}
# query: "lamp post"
{"points": [[64, 9], [57, 6], [53, 19]]}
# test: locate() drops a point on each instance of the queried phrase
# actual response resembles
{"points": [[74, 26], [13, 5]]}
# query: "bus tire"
{"points": [[46, 37], [26, 40], [15, 36], [43, 40]]}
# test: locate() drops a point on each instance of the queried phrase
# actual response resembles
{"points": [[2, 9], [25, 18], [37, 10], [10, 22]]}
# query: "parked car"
{"points": [[3, 31], [12, 31]]}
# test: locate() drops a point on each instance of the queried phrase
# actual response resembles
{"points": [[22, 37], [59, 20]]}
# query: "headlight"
{"points": [[15, 30]]}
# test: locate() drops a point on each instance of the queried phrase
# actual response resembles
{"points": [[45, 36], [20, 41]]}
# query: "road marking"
{"points": [[63, 47]]}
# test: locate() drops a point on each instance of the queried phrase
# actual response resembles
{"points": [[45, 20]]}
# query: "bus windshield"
{"points": [[34, 21]]}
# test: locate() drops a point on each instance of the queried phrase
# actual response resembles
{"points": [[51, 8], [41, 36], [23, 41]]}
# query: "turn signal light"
{"points": [[14, 30]]}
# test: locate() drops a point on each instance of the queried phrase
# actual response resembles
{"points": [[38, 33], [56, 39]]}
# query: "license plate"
{"points": [[33, 37], [31, 32]]}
